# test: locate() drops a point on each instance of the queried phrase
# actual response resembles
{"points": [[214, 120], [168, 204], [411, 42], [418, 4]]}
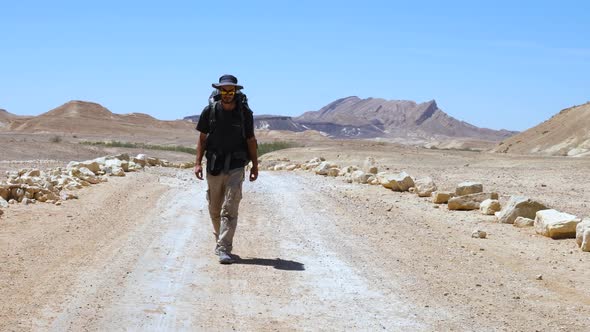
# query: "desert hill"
{"points": [[5, 117], [376, 117], [8, 119], [81, 117], [566, 134]]}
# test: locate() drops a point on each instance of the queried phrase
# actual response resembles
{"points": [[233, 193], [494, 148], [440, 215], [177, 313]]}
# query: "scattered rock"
{"points": [[471, 201], [4, 192], [441, 197], [333, 172], [479, 234], [555, 224], [396, 182], [539, 277], [468, 188], [360, 176], [64, 196], [117, 171], [519, 206], [523, 222], [324, 167], [425, 187], [3, 202], [33, 173], [373, 170], [140, 159], [27, 201], [490, 207], [583, 234], [347, 170], [122, 156], [152, 161]]}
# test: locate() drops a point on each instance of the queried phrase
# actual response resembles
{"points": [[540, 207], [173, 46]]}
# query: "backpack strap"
{"points": [[212, 116], [244, 107], [243, 122]]}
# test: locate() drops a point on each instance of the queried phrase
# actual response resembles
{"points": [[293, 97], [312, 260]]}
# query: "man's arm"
{"points": [[201, 146], [253, 153]]}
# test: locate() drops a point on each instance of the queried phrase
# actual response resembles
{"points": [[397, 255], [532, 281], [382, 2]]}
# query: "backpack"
{"points": [[242, 103], [214, 165]]}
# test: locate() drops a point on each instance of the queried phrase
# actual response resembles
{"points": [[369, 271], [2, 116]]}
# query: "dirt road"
{"points": [[314, 253]]}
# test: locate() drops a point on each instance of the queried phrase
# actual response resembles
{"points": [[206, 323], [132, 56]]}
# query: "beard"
{"points": [[228, 99]]}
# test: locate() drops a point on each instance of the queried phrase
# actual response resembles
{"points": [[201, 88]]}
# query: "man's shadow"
{"points": [[277, 263]]}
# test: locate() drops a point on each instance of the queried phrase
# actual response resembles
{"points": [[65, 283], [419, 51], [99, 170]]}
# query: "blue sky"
{"points": [[495, 64]]}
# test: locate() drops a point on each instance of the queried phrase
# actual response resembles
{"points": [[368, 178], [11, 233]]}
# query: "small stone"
{"points": [[523, 222], [539, 277], [478, 234]]}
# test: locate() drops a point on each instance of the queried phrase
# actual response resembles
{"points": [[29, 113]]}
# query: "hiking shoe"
{"points": [[217, 250], [225, 258]]}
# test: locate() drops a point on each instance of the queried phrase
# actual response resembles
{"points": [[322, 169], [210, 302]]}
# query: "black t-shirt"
{"points": [[228, 133], [204, 122]]}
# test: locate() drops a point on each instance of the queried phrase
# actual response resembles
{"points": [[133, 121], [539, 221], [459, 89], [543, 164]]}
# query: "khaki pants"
{"points": [[224, 195]]}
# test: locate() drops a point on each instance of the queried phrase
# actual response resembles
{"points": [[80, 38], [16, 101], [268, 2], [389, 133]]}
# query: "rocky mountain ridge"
{"points": [[376, 117], [352, 117]]}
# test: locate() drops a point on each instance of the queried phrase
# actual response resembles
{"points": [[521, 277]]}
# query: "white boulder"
{"points": [[470, 202], [519, 206], [323, 167], [396, 182], [441, 197], [425, 186], [347, 170], [555, 224], [360, 176], [583, 234], [468, 187], [117, 171]]}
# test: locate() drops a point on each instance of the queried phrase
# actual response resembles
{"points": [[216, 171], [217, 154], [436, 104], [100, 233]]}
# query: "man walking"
{"points": [[227, 140]]}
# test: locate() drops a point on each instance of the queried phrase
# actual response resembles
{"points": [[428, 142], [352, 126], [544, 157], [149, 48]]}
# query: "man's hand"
{"points": [[254, 173], [199, 171]]}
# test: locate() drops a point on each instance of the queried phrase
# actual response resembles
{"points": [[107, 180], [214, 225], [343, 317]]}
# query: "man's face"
{"points": [[228, 93]]}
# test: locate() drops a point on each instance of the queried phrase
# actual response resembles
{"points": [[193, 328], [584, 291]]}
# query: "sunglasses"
{"points": [[225, 93]]}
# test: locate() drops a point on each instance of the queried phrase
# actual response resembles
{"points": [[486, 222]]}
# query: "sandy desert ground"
{"points": [[315, 253]]}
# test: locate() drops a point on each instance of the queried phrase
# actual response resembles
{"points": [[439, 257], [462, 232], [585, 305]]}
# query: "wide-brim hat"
{"points": [[227, 80]]}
